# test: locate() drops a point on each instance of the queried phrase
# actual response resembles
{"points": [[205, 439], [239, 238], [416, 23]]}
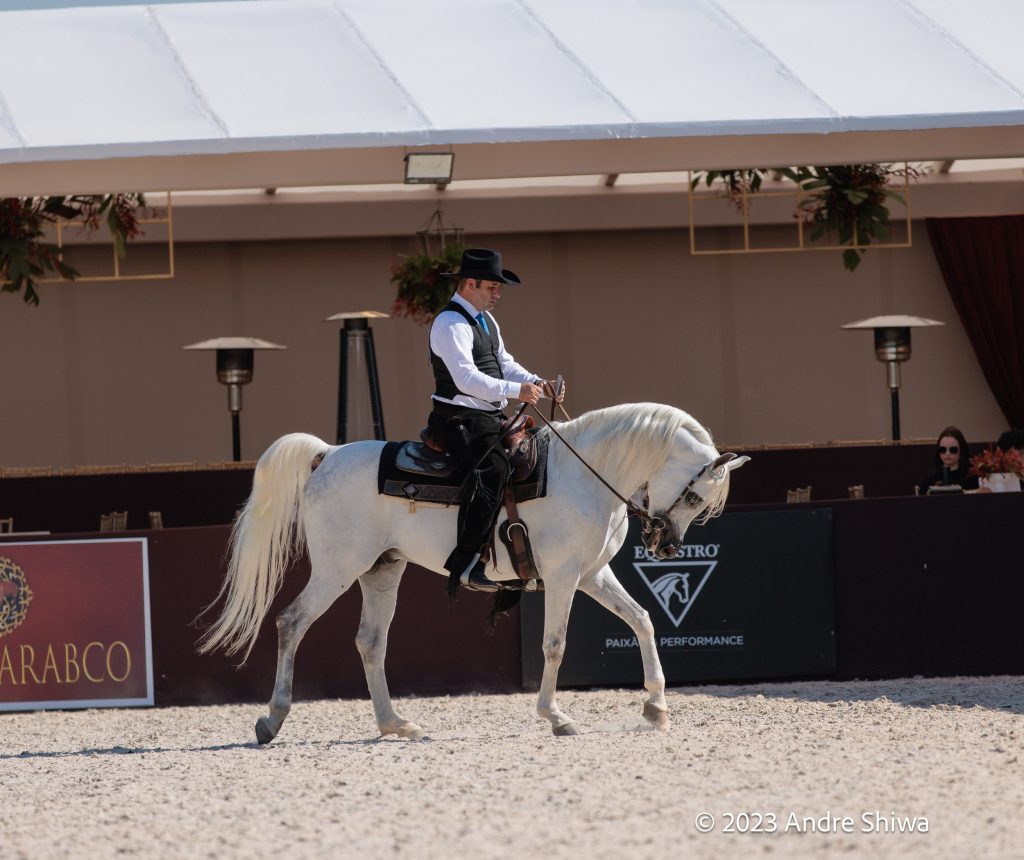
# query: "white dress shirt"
{"points": [[451, 339]]}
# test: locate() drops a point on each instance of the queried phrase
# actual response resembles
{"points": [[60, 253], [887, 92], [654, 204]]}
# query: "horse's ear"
{"points": [[736, 462], [720, 461], [728, 461]]}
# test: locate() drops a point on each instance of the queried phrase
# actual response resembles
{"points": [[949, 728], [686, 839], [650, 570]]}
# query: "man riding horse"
{"points": [[474, 377]]}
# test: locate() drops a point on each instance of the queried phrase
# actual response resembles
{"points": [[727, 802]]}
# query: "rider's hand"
{"points": [[549, 390], [530, 393]]}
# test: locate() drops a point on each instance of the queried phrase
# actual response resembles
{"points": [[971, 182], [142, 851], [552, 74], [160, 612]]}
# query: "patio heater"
{"points": [[360, 415], [892, 345], [235, 358]]}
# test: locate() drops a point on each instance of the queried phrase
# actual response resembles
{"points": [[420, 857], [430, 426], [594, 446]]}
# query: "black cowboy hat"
{"points": [[483, 264]]}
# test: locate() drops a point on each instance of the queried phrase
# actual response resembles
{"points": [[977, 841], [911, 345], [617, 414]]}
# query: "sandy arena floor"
{"points": [[492, 781]]}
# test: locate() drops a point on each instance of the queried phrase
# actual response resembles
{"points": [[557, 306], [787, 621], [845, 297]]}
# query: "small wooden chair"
{"points": [[856, 491], [6, 526], [800, 494], [115, 521]]}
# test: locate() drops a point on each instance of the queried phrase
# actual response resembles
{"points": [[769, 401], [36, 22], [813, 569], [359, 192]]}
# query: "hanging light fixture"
{"points": [[429, 168]]}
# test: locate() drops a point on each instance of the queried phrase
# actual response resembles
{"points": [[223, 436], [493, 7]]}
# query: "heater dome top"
{"points": [[235, 343], [893, 321]]}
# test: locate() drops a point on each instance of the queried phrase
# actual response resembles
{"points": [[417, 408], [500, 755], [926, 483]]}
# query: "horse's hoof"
{"points": [[264, 735], [405, 729], [658, 717], [411, 731], [565, 729]]}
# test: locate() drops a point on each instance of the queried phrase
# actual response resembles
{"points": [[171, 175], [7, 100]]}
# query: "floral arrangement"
{"points": [[996, 460], [845, 201], [24, 255], [422, 291]]}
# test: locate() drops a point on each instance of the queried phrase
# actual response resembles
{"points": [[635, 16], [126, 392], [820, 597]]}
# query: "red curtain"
{"points": [[982, 262]]}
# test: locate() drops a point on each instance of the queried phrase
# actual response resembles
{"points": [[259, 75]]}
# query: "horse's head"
{"points": [[704, 488]]}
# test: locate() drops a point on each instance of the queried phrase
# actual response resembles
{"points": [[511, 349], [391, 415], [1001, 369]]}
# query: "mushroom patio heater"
{"points": [[360, 415], [235, 358], [892, 345]]}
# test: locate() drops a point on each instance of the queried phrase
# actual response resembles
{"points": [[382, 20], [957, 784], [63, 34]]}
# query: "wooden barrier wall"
{"points": [[74, 503], [924, 586]]}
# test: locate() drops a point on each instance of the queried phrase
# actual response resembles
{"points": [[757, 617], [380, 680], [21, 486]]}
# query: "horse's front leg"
{"points": [[558, 593], [380, 593], [608, 591]]}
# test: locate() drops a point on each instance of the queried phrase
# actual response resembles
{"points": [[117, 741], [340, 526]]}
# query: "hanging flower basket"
{"points": [[422, 291]]}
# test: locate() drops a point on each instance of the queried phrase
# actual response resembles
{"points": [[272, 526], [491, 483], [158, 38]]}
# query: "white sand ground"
{"points": [[491, 781]]}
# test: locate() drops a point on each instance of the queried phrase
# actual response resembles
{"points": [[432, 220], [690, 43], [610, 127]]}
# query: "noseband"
{"points": [[655, 526]]}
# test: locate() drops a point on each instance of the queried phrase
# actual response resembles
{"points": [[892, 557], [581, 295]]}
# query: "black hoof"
{"points": [[263, 733]]}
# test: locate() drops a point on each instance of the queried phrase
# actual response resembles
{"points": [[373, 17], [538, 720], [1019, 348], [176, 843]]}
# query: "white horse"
{"points": [[353, 534]]}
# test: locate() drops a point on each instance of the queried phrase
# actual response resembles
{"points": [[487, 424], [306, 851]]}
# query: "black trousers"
{"points": [[471, 437]]}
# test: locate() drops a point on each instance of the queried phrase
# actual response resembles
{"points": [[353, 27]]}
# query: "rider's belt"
{"points": [[455, 408]]}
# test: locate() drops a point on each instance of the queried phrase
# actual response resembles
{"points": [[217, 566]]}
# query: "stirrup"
{"points": [[476, 580]]}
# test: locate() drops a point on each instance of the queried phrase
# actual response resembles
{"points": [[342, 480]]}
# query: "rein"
{"points": [[630, 507]]}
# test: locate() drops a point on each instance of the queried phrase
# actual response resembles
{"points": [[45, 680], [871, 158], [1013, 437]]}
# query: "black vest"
{"points": [[485, 355]]}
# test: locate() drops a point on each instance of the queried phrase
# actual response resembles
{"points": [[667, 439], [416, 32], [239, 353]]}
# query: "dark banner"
{"points": [[74, 624], [749, 595]]}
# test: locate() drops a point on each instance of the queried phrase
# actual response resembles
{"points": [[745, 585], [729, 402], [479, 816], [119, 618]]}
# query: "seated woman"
{"points": [[952, 453]]}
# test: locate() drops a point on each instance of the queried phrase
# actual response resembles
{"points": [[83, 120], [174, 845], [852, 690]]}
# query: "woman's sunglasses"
{"points": [[952, 449]]}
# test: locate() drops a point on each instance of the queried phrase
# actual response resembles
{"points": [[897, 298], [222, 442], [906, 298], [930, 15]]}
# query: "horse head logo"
{"points": [[15, 596], [669, 582], [672, 590]]}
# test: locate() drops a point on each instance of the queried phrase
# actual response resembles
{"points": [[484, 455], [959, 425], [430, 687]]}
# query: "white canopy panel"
{"points": [[193, 80]]}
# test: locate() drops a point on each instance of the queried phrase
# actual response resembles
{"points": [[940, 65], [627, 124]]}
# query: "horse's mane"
{"points": [[631, 439]]}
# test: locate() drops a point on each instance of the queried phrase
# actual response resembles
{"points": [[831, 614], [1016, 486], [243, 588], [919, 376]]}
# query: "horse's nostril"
{"points": [[668, 551]]}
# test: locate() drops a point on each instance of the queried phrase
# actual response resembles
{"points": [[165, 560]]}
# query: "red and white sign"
{"points": [[74, 624]]}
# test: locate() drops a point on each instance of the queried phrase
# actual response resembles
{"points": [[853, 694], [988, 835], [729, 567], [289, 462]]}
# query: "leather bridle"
{"points": [[655, 526]]}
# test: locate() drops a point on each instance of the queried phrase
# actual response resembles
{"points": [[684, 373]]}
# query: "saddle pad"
{"points": [[419, 460], [395, 481]]}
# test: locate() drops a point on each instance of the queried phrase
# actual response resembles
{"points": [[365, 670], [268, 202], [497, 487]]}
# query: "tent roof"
{"points": [[294, 92]]}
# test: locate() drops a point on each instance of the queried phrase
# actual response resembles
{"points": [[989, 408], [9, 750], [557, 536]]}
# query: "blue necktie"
{"points": [[480, 318]]}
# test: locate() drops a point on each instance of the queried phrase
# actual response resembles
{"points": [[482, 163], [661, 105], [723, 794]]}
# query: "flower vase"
{"points": [[1000, 482]]}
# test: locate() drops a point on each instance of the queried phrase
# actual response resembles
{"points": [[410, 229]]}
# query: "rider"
{"points": [[474, 375]]}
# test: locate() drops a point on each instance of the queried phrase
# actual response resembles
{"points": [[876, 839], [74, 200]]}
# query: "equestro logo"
{"points": [[15, 596], [675, 584]]}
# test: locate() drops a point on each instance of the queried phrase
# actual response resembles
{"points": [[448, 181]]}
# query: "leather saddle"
{"points": [[419, 473], [422, 472], [428, 456]]}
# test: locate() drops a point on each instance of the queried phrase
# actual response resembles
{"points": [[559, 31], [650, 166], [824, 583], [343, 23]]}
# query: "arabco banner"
{"points": [[74, 624], [749, 595]]}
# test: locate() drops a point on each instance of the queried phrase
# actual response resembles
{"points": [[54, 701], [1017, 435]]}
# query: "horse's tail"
{"points": [[266, 535]]}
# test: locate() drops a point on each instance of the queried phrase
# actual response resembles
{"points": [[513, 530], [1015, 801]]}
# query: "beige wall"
{"points": [[750, 345]]}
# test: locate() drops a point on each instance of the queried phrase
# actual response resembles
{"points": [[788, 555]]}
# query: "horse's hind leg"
{"points": [[380, 592], [292, 623], [608, 591]]}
